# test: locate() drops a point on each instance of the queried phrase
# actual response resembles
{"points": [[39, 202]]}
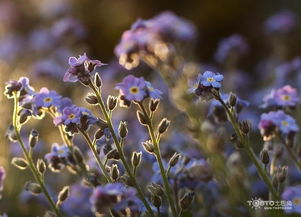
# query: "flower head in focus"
{"points": [[134, 89], [80, 68]]}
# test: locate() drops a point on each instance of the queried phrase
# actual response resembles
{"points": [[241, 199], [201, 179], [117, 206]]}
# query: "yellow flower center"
{"points": [[297, 201], [134, 90], [48, 99], [284, 123], [286, 97], [61, 151], [210, 79], [71, 116]]}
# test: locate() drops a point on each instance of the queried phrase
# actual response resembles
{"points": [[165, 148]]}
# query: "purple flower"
{"points": [[66, 26], [133, 88], [293, 197], [2, 177], [152, 92], [80, 68], [286, 123], [211, 79], [79, 197], [282, 97], [153, 37], [235, 44], [75, 118], [46, 98], [273, 120], [58, 157], [110, 195], [22, 86], [282, 22]]}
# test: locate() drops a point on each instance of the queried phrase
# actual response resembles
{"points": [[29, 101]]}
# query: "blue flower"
{"points": [[283, 97], [153, 93], [286, 123], [293, 196], [58, 157], [46, 98], [132, 88], [211, 79], [111, 195]]}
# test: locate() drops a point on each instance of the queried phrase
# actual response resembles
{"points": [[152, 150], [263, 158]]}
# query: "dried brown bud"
{"points": [[91, 99], [245, 126], [148, 146], [97, 80], [153, 105], [33, 138], [64, 194], [163, 126], [264, 156], [186, 200], [123, 130], [112, 102], [115, 172], [20, 163], [232, 99], [142, 119], [41, 165], [136, 158], [174, 159]]}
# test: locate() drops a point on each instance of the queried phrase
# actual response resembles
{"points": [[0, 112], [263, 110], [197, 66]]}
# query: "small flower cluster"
{"points": [[153, 37]]}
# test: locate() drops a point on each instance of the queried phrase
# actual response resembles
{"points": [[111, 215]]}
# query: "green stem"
{"points": [[159, 160], [28, 158], [119, 149], [293, 156], [96, 156], [263, 174]]}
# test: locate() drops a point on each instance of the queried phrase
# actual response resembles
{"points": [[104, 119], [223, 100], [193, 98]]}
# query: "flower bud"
{"points": [[281, 174], [244, 126], [264, 156], [91, 99], [232, 99], [99, 134], [186, 200], [156, 189], [32, 187], [63, 195], [148, 146], [78, 155], [33, 138], [115, 172], [164, 124], [97, 80], [142, 119], [234, 139], [112, 102], [153, 105], [41, 165], [174, 159], [113, 154], [136, 159], [123, 130], [20, 163], [24, 114], [156, 201], [11, 133]]}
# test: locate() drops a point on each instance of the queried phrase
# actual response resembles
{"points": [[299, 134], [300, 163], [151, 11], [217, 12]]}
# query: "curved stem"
{"points": [[96, 156], [120, 150], [159, 160], [28, 158], [263, 174]]}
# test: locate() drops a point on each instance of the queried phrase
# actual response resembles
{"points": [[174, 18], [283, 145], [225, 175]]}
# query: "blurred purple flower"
{"points": [[235, 44], [2, 177], [293, 195], [79, 197], [68, 25], [282, 22], [111, 195], [282, 97], [58, 157]]}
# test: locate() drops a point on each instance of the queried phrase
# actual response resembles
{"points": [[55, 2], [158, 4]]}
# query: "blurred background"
{"points": [[38, 36]]}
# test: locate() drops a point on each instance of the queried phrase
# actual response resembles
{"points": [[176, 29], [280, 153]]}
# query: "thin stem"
{"points": [[28, 158], [158, 211], [293, 156], [159, 160], [96, 156], [263, 174], [119, 149]]}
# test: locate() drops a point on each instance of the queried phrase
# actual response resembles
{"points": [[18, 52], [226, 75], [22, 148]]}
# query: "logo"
{"points": [[258, 203]]}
